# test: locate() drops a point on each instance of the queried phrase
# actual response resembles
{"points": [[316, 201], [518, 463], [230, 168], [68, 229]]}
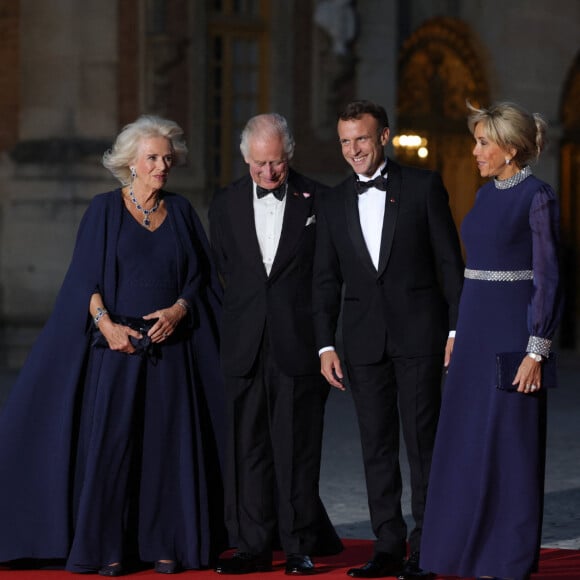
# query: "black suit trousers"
{"points": [[274, 459], [396, 393]]}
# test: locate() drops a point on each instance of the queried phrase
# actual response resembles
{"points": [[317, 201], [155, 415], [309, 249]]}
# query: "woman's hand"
{"points": [[118, 335], [167, 321], [529, 376]]}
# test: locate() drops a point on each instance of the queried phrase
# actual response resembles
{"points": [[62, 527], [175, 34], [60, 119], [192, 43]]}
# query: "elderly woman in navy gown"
{"points": [[110, 443], [485, 500]]}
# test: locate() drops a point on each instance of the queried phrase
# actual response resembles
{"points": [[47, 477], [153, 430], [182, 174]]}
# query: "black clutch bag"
{"points": [[141, 345], [508, 364]]}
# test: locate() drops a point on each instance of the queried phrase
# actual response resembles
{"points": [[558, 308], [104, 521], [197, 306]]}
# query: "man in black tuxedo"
{"points": [[263, 233], [386, 234]]}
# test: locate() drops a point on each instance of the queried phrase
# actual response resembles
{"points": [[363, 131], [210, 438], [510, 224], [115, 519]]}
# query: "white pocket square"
{"points": [[311, 220]]}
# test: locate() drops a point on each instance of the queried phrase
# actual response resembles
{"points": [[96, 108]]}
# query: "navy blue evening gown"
{"points": [[139, 437], [485, 500], [106, 456]]}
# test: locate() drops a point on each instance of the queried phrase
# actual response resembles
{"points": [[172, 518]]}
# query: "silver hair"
{"points": [[124, 151], [267, 125]]}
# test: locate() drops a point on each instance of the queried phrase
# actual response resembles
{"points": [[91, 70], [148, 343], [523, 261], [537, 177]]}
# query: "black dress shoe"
{"points": [[112, 570], [412, 570], [166, 567], [299, 564], [381, 565], [243, 563]]}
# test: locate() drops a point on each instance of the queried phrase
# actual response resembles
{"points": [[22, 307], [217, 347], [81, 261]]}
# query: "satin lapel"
{"points": [[392, 202], [354, 227], [244, 226], [298, 210]]}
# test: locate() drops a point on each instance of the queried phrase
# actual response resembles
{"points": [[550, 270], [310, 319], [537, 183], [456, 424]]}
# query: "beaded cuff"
{"points": [[539, 345]]}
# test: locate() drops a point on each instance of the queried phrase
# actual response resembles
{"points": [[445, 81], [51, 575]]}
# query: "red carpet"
{"points": [[554, 565]]}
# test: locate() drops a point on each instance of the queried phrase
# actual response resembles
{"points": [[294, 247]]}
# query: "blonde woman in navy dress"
{"points": [[485, 499]]}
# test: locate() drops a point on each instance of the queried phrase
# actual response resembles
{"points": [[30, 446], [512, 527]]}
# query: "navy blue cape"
{"points": [[39, 420]]}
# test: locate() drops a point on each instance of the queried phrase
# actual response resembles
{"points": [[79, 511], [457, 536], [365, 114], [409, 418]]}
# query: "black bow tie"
{"points": [[380, 182], [278, 193]]}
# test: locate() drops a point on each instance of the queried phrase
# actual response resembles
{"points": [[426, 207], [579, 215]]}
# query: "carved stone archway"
{"points": [[570, 206], [439, 69]]}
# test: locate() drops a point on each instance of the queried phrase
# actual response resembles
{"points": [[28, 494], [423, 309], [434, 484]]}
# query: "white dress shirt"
{"points": [[371, 210], [268, 217]]}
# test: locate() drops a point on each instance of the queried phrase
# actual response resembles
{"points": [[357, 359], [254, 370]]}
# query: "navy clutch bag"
{"points": [[507, 368], [141, 345]]}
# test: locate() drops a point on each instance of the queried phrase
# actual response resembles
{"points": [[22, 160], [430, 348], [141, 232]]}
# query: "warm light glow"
{"points": [[412, 144], [409, 141]]}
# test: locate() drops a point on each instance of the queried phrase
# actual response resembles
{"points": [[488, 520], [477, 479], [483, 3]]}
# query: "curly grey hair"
{"points": [[124, 151]]}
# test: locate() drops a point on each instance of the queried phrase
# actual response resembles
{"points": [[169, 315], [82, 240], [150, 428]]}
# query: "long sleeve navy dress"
{"points": [[485, 498]]}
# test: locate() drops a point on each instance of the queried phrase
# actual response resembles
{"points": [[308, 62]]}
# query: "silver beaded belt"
{"points": [[499, 275]]}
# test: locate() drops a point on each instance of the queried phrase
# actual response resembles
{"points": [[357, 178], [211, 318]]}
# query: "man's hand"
{"points": [[448, 351], [331, 369]]}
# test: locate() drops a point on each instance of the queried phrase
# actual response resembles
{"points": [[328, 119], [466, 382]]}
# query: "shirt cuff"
{"points": [[451, 334], [325, 349]]}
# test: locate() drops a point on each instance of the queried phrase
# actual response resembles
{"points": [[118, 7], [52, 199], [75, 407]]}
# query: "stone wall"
{"points": [[72, 73]]}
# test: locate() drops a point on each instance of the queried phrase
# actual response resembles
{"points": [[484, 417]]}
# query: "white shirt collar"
{"points": [[375, 174]]}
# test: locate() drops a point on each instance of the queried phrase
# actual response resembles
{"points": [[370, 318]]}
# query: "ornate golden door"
{"points": [[439, 70]]}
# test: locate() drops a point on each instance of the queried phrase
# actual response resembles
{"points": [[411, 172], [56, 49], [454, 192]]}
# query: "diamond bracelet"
{"points": [[100, 313]]}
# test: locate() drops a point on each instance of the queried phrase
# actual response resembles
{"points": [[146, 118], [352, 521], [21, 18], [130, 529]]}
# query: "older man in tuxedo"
{"points": [[263, 233], [387, 239]]}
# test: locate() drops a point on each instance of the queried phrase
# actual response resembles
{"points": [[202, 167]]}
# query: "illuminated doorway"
{"points": [[439, 69]]}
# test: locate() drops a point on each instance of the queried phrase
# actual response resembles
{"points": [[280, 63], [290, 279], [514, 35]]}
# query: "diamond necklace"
{"points": [[146, 212]]}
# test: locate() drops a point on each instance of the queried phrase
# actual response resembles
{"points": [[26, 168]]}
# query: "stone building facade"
{"points": [[73, 73]]}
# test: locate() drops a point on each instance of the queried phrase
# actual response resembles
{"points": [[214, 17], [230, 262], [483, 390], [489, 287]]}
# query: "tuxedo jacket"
{"points": [[407, 306], [280, 303]]}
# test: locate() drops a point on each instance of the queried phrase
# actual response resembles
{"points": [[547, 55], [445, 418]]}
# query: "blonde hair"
{"points": [[510, 126], [124, 151]]}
